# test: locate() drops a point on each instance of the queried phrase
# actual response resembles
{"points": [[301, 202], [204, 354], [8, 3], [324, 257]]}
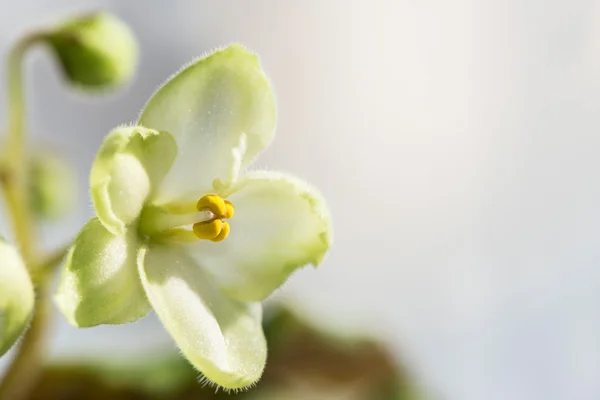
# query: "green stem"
{"points": [[14, 177], [26, 366], [50, 262]]}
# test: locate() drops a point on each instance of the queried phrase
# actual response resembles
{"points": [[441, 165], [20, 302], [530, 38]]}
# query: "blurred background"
{"points": [[471, 127]]}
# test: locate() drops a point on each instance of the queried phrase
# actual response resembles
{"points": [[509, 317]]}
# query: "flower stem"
{"points": [[14, 177], [48, 265], [26, 365]]}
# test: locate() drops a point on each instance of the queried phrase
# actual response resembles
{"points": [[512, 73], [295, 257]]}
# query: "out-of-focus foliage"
{"points": [[304, 363], [16, 296], [53, 189]]}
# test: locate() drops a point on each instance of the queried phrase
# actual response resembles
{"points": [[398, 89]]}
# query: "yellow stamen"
{"points": [[229, 210], [213, 203], [206, 219], [223, 234], [208, 230]]}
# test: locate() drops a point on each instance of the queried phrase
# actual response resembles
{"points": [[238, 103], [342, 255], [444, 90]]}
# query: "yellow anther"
{"points": [[208, 230], [223, 234], [215, 229], [229, 210], [212, 202]]}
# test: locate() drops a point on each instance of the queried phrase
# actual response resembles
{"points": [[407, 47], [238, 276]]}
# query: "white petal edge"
{"points": [[221, 111], [100, 282], [280, 224], [220, 336]]}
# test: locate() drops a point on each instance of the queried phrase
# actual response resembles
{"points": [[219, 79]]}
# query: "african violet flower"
{"points": [[180, 230]]}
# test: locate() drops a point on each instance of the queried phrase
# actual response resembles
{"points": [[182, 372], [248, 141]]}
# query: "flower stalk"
{"points": [[164, 191], [14, 171], [26, 365], [95, 51]]}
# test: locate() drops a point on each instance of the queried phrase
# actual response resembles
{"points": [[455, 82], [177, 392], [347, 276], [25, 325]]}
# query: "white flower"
{"points": [[183, 229]]}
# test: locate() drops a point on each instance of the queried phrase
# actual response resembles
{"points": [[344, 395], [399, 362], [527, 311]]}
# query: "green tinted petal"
{"points": [[100, 282], [16, 296], [130, 164], [280, 224], [221, 111], [220, 336]]}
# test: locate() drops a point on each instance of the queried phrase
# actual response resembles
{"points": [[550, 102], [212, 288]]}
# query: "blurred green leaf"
{"points": [[53, 188], [305, 363]]}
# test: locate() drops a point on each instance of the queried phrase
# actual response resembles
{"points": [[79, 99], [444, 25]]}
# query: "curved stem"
{"points": [[14, 176], [26, 366]]}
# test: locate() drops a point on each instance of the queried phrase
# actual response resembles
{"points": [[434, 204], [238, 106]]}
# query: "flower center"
{"points": [[173, 222], [214, 229]]}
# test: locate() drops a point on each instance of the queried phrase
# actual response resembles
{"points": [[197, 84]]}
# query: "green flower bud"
{"points": [[95, 51], [16, 296], [53, 191]]}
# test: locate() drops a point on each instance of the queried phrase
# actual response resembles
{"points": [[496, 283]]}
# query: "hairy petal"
{"points": [[220, 336], [221, 111], [100, 282], [280, 224], [129, 166]]}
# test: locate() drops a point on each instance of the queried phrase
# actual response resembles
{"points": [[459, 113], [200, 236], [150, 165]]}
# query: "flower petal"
{"points": [[100, 283], [221, 111], [280, 224], [16, 296], [220, 336], [130, 164]]}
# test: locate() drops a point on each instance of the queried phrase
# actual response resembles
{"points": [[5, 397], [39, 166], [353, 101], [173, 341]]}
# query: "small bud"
{"points": [[16, 296], [53, 190], [95, 51]]}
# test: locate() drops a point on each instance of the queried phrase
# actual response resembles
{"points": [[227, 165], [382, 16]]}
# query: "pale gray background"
{"points": [[457, 144]]}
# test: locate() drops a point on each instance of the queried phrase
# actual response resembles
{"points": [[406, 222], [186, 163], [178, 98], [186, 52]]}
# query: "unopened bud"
{"points": [[53, 189], [16, 296], [95, 51]]}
